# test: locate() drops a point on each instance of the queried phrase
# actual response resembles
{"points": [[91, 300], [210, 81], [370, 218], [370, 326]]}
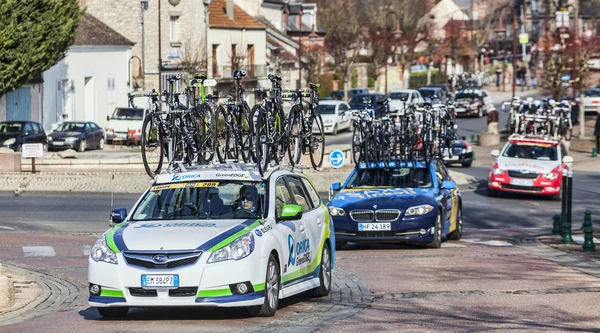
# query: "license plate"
{"points": [[521, 182], [58, 143], [171, 280], [121, 136], [374, 226], [461, 110], [453, 158]]}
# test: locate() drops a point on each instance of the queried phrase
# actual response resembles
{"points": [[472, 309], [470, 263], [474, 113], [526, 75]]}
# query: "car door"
{"points": [[28, 135], [445, 195], [343, 115], [97, 133], [450, 198], [38, 134], [289, 232], [313, 222]]}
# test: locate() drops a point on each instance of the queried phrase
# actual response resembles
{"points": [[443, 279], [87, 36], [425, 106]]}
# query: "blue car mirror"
{"points": [[448, 185], [336, 186], [117, 216]]}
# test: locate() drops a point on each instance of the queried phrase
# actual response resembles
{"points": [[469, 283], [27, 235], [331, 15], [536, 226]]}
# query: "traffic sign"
{"points": [[35, 150], [336, 158], [210, 83]]}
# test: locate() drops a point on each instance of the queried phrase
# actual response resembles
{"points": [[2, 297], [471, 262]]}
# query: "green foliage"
{"points": [[34, 36], [419, 79], [354, 78], [326, 84]]}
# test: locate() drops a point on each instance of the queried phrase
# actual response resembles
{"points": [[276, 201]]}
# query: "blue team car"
{"points": [[408, 202]]}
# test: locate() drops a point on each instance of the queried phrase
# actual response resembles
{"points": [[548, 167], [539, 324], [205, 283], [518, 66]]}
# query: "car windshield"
{"points": [[326, 109], [428, 93], [128, 114], [460, 96], [400, 177], [531, 152], [403, 96], [70, 127], [202, 200], [362, 99], [592, 93], [10, 127]]}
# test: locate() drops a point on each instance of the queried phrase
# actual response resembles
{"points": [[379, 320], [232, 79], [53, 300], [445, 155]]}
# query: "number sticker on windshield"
{"points": [[184, 185]]}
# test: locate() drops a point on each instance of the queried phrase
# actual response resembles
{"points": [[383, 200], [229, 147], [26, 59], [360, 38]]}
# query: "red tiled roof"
{"points": [[241, 20]]}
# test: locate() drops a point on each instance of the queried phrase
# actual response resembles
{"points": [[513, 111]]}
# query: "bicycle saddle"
{"points": [[173, 78], [200, 77], [239, 74], [314, 85], [274, 77]]}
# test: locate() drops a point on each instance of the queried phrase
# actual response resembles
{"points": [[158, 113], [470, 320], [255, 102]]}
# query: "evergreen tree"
{"points": [[34, 36]]}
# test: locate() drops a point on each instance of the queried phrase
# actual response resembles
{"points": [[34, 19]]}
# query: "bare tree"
{"points": [[194, 57]]}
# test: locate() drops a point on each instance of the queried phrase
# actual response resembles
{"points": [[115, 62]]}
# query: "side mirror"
{"points": [[290, 213], [117, 216], [448, 185], [26, 133], [568, 160], [495, 153], [336, 186], [107, 118]]}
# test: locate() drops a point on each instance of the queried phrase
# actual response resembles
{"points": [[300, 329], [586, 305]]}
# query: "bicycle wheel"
{"points": [[357, 147], [317, 142], [246, 134], [225, 141], [262, 141], [280, 138], [205, 136], [294, 132], [152, 145]]}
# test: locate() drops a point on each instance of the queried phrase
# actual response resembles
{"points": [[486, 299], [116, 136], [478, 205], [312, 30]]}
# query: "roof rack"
{"points": [[392, 165], [532, 137], [233, 165]]}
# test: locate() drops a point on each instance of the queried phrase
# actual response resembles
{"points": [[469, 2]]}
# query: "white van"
{"points": [[125, 123]]}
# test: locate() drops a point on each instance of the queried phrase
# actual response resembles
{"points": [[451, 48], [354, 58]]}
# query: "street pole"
{"points": [[567, 238], [514, 62], [206, 34], [524, 47], [143, 5], [159, 53]]}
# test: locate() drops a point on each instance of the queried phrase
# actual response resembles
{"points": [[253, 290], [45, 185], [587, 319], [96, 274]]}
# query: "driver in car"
{"points": [[247, 206]]}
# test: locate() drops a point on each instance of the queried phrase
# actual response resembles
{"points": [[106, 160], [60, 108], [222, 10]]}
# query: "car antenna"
{"points": [[112, 193]]}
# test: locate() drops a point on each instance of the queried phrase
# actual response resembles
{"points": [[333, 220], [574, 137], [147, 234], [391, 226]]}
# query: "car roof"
{"points": [[331, 102], [403, 90], [532, 140], [370, 95], [429, 88], [18, 122]]}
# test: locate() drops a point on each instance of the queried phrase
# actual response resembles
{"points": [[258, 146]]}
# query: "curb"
{"points": [[7, 290]]}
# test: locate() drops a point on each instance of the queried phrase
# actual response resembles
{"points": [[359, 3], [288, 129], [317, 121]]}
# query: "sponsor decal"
{"points": [[266, 228], [258, 233], [233, 174], [377, 194], [176, 225], [177, 177], [184, 185], [300, 253]]}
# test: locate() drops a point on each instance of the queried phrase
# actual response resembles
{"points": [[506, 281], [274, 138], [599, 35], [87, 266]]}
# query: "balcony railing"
{"points": [[253, 71]]}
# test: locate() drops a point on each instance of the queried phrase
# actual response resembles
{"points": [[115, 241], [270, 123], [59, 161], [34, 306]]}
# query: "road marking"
{"points": [[39, 251], [496, 243], [6, 228], [579, 239], [449, 245], [87, 249]]}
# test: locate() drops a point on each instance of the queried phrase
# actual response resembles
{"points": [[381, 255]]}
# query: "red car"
{"points": [[528, 165]]}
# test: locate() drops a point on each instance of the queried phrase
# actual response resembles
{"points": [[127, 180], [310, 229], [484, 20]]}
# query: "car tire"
{"points": [[339, 245], [437, 237], [101, 144], [271, 291], [492, 193], [457, 233], [45, 147], [467, 164], [324, 274], [335, 130], [19, 148], [117, 312], [81, 146]]}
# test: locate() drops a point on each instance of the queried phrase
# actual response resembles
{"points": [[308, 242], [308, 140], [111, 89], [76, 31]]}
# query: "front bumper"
{"points": [[462, 111], [416, 229], [205, 284], [459, 158], [57, 145], [539, 185]]}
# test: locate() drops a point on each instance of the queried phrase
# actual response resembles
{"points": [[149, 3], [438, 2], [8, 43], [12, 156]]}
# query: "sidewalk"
{"points": [[506, 96]]}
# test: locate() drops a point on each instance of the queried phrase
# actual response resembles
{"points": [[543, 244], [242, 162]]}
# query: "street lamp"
{"points": [[501, 32], [140, 75], [397, 34]]}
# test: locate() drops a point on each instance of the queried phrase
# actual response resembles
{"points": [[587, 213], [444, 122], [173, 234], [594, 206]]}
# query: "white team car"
{"points": [[221, 236]]}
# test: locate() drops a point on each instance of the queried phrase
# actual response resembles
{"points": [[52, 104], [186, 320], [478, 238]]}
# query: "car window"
{"points": [[128, 114], [399, 95], [327, 108], [28, 128], [36, 129], [343, 107], [87, 127], [299, 194], [399, 177], [10, 128], [529, 151], [282, 196], [312, 193], [444, 171]]}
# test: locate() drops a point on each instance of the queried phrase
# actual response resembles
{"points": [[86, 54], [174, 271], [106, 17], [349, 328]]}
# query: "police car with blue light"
{"points": [[397, 202], [217, 236]]}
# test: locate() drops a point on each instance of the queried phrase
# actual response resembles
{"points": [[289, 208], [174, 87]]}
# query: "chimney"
{"points": [[229, 10]]}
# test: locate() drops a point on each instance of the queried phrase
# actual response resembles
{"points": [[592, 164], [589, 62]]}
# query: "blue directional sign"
{"points": [[336, 158]]}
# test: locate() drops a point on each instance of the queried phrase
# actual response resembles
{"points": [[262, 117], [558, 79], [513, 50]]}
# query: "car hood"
{"points": [[383, 198], [396, 104], [124, 125], [540, 166], [61, 135], [177, 234]]}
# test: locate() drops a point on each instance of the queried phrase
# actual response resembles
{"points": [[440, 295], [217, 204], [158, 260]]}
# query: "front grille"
{"points": [[523, 188], [457, 151], [387, 214], [519, 174], [176, 259], [141, 292], [183, 292], [362, 215]]}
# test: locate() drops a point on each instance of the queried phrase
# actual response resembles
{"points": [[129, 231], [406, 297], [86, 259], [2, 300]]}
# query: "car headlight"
{"points": [[50, 138], [469, 149], [334, 211], [10, 141], [240, 248], [101, 252], [551, 175], [328, 121], [419, 210], [497, 171], [71, 139], [463, 151]]}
